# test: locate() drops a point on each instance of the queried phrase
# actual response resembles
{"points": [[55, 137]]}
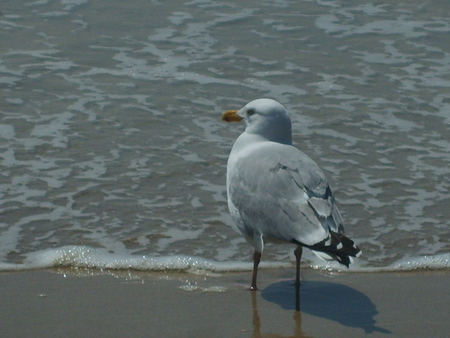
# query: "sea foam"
{"points": [[100, 258]]}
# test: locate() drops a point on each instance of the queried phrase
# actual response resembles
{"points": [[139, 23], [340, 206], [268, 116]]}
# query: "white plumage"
{"points": [[277, 193]]}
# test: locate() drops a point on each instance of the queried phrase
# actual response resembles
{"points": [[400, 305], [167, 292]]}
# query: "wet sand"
{"points": [[80, 303]]}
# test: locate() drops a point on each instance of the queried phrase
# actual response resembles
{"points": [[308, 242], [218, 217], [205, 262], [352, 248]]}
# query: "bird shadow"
{"points": [[332, 301]]}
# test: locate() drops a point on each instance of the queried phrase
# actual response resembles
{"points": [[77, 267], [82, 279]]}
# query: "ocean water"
{"points": [[113, 154]]}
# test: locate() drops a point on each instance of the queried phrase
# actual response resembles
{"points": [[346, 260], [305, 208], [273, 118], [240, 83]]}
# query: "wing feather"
{"points": [[282, 194]]}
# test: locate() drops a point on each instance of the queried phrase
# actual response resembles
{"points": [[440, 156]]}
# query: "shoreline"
{"points": [[78, 302]]}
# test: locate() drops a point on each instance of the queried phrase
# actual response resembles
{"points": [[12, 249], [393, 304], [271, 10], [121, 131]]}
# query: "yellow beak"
{"points": [[231, 116]]}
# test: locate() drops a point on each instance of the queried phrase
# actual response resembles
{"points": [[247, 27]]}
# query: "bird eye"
{"points": [[250, 112]]}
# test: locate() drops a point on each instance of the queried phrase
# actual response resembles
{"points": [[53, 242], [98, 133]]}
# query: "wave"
{"points": [[99, 258]]}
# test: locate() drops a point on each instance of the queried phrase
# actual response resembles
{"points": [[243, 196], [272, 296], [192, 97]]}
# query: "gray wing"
{"points": [[281, 193]]}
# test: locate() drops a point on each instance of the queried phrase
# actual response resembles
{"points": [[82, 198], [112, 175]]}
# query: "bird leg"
{"points": [[256, 260], [298, 256]]}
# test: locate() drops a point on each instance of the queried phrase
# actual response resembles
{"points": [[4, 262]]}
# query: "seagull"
{"points": [[276, 193]]}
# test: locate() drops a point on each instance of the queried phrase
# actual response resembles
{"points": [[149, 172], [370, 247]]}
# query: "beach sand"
{"points": [[83, 303]]}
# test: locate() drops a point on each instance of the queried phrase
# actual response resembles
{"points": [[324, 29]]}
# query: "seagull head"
{"points": [[264, 117]]}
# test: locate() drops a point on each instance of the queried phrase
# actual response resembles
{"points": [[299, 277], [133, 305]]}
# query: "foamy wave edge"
{"points": [[427, 262], [99, 258]]}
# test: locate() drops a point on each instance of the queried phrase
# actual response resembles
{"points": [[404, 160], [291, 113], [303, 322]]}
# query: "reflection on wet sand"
{"points": [[256, 321]]}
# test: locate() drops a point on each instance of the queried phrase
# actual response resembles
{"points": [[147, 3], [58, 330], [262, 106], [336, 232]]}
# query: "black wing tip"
{"points": [[343, 244], [344, 260], [340, 247]]}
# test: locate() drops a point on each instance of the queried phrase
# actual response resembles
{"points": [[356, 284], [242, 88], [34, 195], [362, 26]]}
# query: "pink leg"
{"points": [[298, 255], [256, 260]]}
